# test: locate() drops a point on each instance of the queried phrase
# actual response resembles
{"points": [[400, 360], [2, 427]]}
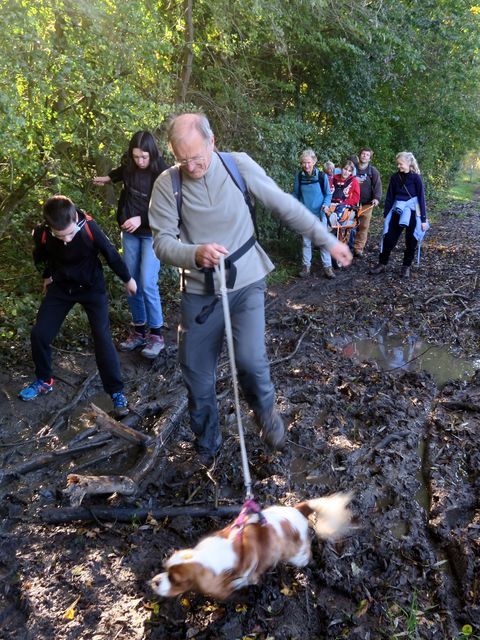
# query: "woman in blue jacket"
{"points": [[313, 190], [404, 209]]}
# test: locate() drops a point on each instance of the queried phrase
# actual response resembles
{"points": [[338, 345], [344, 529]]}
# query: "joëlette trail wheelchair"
{"points": [[344, 219]]}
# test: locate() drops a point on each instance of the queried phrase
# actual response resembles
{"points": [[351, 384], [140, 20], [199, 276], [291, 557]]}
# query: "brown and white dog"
{"points": [[257, 540]]}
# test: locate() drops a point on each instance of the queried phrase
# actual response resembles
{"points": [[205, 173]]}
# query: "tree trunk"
{"points": [[184, 80]]}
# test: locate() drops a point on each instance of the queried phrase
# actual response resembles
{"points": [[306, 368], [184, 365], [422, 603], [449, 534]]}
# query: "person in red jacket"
{"points": [[346, 189], [346, 193]]}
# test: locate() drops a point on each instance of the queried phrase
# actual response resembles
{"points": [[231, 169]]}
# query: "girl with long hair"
{"points": [[140, 167], [404, 209]]}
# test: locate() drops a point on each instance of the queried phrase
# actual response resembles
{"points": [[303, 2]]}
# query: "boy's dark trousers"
{"points": [[51, 314]]}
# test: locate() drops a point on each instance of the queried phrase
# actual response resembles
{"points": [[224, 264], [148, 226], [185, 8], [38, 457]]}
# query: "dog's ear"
{"points": [[182, 577]]}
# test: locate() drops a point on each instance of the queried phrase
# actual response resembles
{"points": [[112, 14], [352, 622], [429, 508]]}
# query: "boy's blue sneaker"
{"points": [[36, 388], [120, 404]]}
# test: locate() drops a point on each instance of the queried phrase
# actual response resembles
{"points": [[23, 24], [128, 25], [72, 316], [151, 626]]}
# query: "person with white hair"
{"points": [[404, 209], [204, 218], [312, 188]]}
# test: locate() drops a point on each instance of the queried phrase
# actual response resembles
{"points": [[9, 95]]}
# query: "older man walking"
{"points": [[191, 230]]}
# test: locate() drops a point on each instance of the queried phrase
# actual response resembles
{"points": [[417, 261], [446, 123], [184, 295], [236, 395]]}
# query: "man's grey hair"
{"points": [[308, 153], [199, 122]]}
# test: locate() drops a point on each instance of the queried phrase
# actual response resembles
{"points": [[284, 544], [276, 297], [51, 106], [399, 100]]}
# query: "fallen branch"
{"points": [[461, 406], [68, 407], [460, 315], [391, 438], [80, 486], [163, 429], [440, 296], [107, 456], [47, 458], [103, 420], [291, 355], [122, 514]]}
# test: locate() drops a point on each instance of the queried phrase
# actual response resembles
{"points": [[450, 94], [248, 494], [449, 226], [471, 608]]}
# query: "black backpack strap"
{"points": [[321, 181], [232, 170], [176, 177]]}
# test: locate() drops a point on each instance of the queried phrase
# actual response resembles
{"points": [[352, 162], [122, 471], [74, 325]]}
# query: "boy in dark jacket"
{"points": [[66, 248]]}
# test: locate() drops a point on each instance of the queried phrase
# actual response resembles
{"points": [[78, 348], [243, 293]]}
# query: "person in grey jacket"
{"points": [[215, 220]]}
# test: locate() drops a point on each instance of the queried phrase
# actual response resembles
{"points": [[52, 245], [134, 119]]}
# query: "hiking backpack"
{"points": [[232, 170], [320, 179]]}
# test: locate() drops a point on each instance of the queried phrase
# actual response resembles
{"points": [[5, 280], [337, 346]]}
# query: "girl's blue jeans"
{"points": [[144, 266]]}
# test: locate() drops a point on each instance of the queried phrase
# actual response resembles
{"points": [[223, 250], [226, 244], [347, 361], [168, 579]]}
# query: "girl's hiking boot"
{"points": [[154, 345], [134, 341], [36, 388], [120, 404]]}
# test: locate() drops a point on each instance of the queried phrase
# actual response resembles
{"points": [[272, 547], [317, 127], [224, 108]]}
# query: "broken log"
{"points": [[47, 458], [52, 423], [460, 405], [80, 486], [106, 456], [52, 515], [163, 430], [103, 420]]}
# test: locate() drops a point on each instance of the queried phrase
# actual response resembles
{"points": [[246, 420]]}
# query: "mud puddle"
{"points": [[409, 353]]}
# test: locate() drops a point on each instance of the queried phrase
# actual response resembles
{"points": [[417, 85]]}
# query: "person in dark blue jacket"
{"points": [[404, 209], [312, 188], [66, 250]]}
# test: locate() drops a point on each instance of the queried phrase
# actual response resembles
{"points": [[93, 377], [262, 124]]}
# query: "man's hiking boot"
{"points": [[36, 388], [134, 341], [120, 404], [328, 271], [272, 429], [380, 268], [405, 272], [305, 272], [154, 345]]}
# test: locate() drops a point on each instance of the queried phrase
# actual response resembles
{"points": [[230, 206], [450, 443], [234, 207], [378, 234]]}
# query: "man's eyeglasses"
{"points": [[187, 161]]}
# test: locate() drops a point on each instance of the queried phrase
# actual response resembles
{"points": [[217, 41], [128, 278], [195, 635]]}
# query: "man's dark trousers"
{"points": [[199, 349]]}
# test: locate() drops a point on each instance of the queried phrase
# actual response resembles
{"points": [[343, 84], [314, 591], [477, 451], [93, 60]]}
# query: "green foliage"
{"points": [[77, 78]]}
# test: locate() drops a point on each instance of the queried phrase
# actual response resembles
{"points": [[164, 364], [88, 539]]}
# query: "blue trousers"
{"points": [[199, 347], [144, 266], [51, 314], [307, 248]]}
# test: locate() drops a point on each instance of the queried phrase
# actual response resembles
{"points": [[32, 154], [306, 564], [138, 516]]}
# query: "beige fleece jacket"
{"points": [[214, 210]]}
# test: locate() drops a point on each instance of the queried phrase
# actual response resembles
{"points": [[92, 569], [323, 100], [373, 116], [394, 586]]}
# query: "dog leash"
{"points": [[247, 480]]}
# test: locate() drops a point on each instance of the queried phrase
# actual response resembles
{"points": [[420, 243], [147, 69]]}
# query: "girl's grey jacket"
{"points": [[214, 210]]}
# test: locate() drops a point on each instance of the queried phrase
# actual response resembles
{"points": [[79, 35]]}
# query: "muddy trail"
{"points": [[376, 379]]}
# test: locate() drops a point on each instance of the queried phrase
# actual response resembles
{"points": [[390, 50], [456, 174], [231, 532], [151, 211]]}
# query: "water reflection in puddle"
{"points": [[410, 354]]}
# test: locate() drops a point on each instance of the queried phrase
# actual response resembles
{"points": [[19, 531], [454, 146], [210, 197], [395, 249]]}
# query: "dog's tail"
{"points": [[332, 515]]}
